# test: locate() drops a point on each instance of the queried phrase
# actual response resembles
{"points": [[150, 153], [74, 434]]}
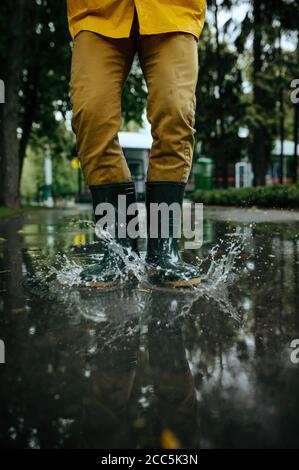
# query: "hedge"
{"points": [[278, 195]]}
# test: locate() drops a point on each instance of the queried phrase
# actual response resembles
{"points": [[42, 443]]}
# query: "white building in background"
{"points": [[136, 147], [288, 148], [243, 174], [243, 169], [288, 152], [49, 201]]}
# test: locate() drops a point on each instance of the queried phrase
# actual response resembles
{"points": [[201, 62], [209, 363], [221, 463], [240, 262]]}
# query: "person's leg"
{"points": [[100, 66], [170, 66]]}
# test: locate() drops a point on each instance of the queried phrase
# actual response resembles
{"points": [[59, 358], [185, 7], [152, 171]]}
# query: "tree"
{"points": [[45, 79], [221, 107], [264, 24], [37, 56], [12, 56]]}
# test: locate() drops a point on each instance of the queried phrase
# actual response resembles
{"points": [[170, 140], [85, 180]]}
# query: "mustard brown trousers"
{"points": [[100, 66]]}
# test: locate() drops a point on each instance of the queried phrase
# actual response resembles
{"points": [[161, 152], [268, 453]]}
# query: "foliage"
{"points": [[244, 81], [44, 104], [65, 178], [284, 196], [7, 212], [229, 102]]}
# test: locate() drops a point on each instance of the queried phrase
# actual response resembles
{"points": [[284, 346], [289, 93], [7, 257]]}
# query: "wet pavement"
{"points": [[139, 367]]}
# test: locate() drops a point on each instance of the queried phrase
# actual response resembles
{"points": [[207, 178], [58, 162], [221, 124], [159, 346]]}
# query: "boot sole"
{"points": [[131, 280], [94, 284], [182, 283]]}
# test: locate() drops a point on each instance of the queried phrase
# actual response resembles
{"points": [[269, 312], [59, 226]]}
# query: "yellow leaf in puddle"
{"points": [[79, 239], [169, 440]]}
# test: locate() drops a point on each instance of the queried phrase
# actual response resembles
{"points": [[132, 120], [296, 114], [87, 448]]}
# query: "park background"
{"points": [[248, 55], [212, 367]]}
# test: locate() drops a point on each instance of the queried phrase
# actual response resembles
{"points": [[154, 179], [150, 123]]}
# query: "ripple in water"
{"points": [[58, 277]]}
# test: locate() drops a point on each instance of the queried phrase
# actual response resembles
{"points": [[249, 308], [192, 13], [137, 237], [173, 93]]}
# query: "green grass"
{"points": [[276, 196], [7, 213]]}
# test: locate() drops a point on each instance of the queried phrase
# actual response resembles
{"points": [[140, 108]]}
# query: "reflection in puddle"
{"points": [[147, 367]]}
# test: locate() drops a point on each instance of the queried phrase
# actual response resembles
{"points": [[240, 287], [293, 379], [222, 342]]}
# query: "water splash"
{"points": [[58, 277], [222, 268], [66, 267]]}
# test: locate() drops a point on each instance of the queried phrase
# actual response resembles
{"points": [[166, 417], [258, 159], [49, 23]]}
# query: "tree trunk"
{"points": [[282, 137], [30, 109], [220, 87], [296, 132], [30, 92], [281, 113], [9, 117], [259, 158]]}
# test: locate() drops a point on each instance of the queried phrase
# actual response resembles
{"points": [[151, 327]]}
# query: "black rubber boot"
{"points": [[165, 265], [111, 268]]}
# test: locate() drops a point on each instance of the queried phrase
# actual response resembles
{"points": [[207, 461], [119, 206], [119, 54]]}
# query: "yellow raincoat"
{"points": [[113, 18]]}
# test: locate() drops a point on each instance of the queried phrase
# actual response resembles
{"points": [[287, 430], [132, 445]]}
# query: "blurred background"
{"points": [[246, 119], [138, 367]]}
